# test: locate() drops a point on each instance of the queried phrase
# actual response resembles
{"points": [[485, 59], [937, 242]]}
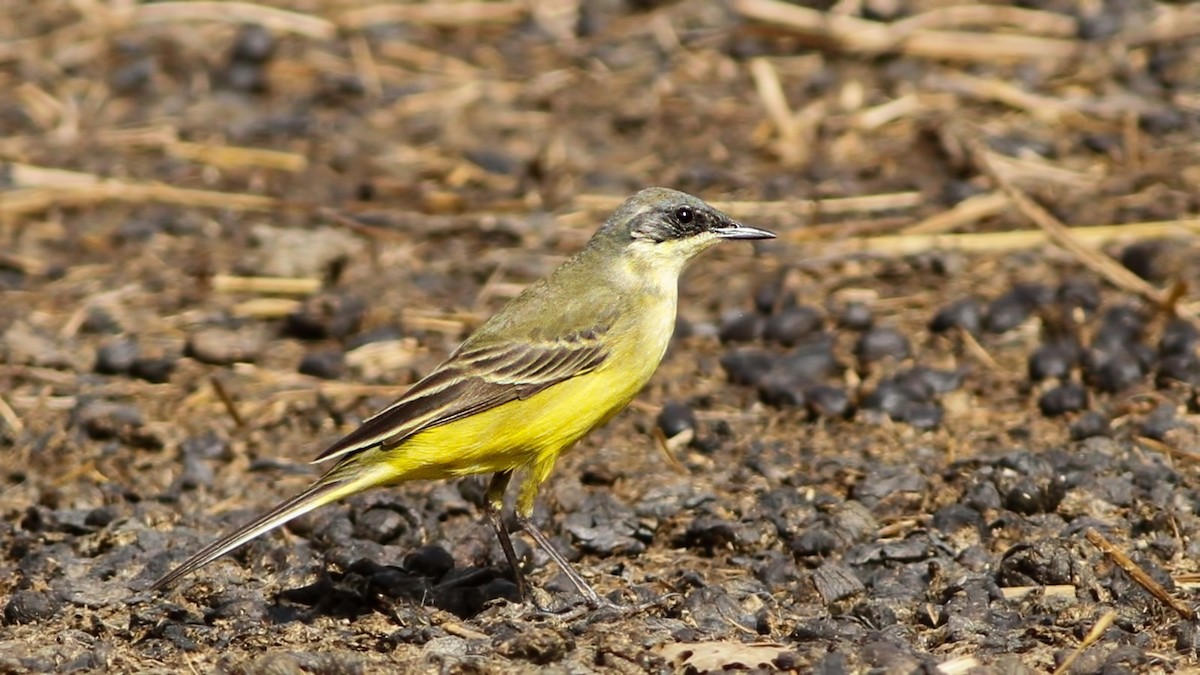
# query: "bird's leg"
{"points": [[494, 507], [585, 589]]}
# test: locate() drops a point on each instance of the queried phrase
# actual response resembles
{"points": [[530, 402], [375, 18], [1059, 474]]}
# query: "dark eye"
{"points": [[684, 214]]}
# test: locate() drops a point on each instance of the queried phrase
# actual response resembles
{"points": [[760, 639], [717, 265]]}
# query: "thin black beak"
{"points": [[738, 231]]}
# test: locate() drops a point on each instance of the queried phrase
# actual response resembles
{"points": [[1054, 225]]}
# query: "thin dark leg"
{"points": [[590, 595], [494, 507]]}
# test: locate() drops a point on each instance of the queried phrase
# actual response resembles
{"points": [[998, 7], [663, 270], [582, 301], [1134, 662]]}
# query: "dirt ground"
{"points": [[926, 429]]}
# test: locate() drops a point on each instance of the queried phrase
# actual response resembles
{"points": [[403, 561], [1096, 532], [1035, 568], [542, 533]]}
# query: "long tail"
{"points": [[333, 486]]}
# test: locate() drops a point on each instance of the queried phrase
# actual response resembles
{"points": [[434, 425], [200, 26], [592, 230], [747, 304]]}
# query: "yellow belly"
{"points": [[534, 431]]}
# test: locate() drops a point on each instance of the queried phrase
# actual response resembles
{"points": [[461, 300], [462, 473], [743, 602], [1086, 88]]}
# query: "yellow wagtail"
{"points": [[559, 360]]}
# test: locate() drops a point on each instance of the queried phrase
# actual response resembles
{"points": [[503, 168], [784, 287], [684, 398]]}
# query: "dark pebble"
{"points": [[99, 321], [247, 77], [747, 365], [1144, 259], [100, 516], [496, 161], [207, 445], [381, 525], [742, 327], [955, 191], [828, 401], [675, 418], [327, 364], [791, 325], [880, 343], [814, 541], [781, 390], [920, 415], [1026, 497], [1043, 562], [1112, 371], [931, 380], [771, 297], [710, 534], [1062, 400], [891, 397], [1161, 121], [196, 473], [133, 77], [1012, 308], [153, 370], [1119, 327], [1160, 420], [116, 357], [1179, 337], [874, 615], [855, 316], [1187, 638], [812, 361], [103, 420], [433, 562], [965, 314], [954, 517], [1178, 368], [29, 606], [1053, 361], [835, 581], [1089, 424], [1078, 293], [253, 44], [326, 316]]}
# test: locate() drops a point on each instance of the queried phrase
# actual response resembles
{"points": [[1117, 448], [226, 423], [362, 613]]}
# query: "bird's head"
{"points": [[667, 228]]}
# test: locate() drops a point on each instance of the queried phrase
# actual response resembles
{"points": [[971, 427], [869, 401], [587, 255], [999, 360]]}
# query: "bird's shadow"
{"points": [[366, 587]]}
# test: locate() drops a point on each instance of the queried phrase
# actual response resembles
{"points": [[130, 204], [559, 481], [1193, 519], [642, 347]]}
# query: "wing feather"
{"points": [[473, 380]]}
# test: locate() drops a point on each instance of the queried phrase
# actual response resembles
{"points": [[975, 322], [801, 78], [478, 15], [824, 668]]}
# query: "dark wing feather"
{"points": [[473, 380]]}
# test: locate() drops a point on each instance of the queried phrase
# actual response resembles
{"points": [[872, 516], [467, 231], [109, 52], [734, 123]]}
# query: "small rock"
{"points": [[223, 346], [1179, 337], [102, 420], [381, 525], [747, 365], [742, 327], [791, 325], [253, 44], [28, 606], [835, 581], [675, 418], [1078, 293], [327, 364], [1089, 424], [855, 316], [116, 357], [1063, 399], [153, 370], [880, 343], [1012, 309], [326, 316], [966, 314], [1053, 361], [781, 390], [828, 401], [433, 562]]}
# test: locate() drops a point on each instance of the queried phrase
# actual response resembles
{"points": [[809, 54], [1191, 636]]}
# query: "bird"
{"points": [[558, 361]]}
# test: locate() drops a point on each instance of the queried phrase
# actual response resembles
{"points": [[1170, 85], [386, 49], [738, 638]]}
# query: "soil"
{"points": [[911, 433]]}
